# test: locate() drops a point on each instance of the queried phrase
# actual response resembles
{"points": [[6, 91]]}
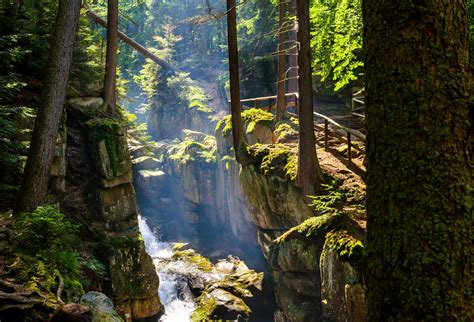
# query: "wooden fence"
{"points": [[330, 129]]}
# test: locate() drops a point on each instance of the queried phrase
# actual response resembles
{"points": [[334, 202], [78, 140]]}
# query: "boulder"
{"points": [[101, 306]]}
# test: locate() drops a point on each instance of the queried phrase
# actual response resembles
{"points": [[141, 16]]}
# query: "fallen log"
{"points": [[132, 43]]}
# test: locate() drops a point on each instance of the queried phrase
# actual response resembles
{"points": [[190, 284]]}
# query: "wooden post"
{"points": [[255, 103], [326, 133], [228, 105], [349, 145]]}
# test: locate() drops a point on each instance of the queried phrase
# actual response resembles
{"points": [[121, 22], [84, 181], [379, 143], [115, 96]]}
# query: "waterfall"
{"points": [[174, 291]]}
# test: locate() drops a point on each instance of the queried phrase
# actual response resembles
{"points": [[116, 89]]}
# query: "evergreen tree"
{"points": [[309, 176], [111, 56], [34, 187], [419, 160]]}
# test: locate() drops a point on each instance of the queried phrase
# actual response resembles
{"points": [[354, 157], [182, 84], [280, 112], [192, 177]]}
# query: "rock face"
{"points": [[313, 258], [204, 189], [99, 182]]}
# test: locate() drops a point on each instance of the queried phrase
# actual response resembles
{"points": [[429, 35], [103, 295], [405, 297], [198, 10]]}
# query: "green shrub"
{"points": [[46, 246]]}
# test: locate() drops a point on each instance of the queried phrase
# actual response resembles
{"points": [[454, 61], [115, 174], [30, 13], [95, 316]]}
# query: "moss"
{"points": [[189, 150], [205, 308], [311, 227], [250, 118], [46, 248], [347, 246], [107, 130], [192, 257], [280, 160]]}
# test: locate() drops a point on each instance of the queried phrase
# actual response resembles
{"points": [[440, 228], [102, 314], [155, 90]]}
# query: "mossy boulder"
{"points": [[101, 306]]}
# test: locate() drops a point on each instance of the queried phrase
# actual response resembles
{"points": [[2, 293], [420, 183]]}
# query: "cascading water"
{"points": [[174, 292]]}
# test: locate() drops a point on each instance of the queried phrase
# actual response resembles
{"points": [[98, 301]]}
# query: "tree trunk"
{"points": [[240, 147], [34, 186], [309, 176], [111, 56], [281, 99], [419, 160], [293, 53]]}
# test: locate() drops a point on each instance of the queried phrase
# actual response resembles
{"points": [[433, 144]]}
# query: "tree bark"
{"points": [[309, 174], [419, 160], [34, 187], [281, 99], [111, 56], [293, 53], [240, 147]]}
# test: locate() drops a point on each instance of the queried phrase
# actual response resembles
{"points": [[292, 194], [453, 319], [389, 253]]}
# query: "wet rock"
{"points": [[134, 280], [101, 306]]}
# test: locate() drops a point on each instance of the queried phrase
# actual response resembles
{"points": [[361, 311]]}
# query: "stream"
{"points": [[174, 293]]}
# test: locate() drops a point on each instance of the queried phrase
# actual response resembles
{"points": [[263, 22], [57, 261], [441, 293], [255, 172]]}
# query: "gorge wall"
{"points": [[314, 254]]}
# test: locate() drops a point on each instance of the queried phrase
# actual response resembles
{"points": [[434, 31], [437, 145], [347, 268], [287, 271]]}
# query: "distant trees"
{"points": [[309, 174], [419, 160], [34, 186], [111, 56]]}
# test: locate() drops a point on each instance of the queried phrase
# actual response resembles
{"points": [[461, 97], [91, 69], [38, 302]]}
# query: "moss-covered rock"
{"points": [[277, 203], [102, 307], [134, 280]]}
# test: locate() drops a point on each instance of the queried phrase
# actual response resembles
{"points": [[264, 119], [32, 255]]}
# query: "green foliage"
{"points": [[336, 40], [329, 200], [347, 246], [189, 150], [46, 244]]}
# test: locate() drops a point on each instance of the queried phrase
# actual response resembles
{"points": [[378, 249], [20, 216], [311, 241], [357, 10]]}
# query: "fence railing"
{"points": [[330, 128]]}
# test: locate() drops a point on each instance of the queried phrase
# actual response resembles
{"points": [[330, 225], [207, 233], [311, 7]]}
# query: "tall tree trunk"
{"points": [[309, 174], [293, 52], [111, 56], [419, 160], [240, 147], [34, 186], [281, 99]]}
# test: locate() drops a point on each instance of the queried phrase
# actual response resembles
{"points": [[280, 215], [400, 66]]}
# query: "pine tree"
{"points": [[111, 56], [309, 174], [34, 186]]}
